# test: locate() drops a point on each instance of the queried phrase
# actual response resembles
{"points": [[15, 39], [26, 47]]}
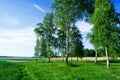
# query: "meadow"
{"points": [[58, 70]]}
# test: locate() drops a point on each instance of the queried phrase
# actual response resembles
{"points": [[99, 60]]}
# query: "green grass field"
{"points": [[57, 70], [11, 71]]}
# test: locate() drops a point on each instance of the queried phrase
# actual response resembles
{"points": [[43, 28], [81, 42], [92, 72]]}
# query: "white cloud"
{"points": [[16, 36], [39, 8], [17, 42], [87, 43], [8, 20], [83, 26]]}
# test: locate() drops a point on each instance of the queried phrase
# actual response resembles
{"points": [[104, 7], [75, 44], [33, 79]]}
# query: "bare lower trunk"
{"points": [[67, 59], [63, 59], [67, 41], [107, 57], [95, 58], [49, 59], [36, 59]]}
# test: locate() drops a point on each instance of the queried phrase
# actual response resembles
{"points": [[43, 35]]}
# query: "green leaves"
{"points": [[105, 20], [43, 47], [37, 48], [45, 33], [67, 13], [76, 42]]}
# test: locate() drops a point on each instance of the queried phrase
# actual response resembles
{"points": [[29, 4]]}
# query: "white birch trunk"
{"points": [[107, 57]]}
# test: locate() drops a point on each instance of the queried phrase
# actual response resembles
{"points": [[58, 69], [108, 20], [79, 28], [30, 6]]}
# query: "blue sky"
{"points": [[18, 18]]}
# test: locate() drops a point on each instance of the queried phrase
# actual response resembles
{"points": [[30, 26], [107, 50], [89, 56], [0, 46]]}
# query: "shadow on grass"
{"points": [[114, 61], [73, 65], [111, 61]]}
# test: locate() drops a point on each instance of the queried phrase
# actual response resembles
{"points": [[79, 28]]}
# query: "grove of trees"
{"points": [[58, 31], [105, 33]]}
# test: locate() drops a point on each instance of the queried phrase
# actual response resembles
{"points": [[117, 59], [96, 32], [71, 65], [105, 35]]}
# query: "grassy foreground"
{"points": [[57, 70], [11, 71]]}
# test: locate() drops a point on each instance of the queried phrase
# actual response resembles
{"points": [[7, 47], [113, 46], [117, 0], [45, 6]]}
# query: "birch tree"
{"points": [[105, 20], [46, 31], [76, 42], [37, 49], [67, 12]]}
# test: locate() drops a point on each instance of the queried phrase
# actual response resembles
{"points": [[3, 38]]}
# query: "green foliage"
{"points": [[61, 41], [37, 48], [64, 18], [50, 28], [79, 50], [67, 13], [75, 9], [43, 49], [89, 52], [105, 20], [76, 42], [45, 32], [49, 53]]}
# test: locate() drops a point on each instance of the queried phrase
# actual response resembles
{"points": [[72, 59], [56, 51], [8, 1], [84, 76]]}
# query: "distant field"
{"points": [[58, 70], [85, 58], [58, 58]]}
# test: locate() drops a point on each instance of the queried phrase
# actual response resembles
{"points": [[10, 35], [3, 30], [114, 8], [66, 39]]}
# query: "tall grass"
{"points": [[57, 70], [84, 70], [10, 71]]}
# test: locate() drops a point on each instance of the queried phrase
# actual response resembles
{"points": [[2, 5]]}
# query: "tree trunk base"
{"points": [[95, 59], [107, 57], [67, 59], [49, 60]]}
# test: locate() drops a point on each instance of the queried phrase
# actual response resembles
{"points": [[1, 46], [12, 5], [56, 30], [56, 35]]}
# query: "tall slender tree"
{"points": [[67, 12], [105, 20], [95, 43], [43, 47], [76, 40], [46, 31], [61, 42], [49, 25], [37, 49]]}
